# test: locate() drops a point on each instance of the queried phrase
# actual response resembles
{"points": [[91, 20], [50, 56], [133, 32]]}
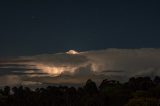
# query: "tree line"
{"points": [[138, 91]]}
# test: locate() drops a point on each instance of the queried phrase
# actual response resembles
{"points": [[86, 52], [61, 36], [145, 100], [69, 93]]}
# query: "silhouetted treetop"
{"points": [[138, 91]]}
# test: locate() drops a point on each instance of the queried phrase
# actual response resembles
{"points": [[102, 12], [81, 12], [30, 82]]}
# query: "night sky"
{"points": [[30, 27]]}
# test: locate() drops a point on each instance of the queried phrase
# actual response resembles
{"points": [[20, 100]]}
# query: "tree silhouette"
{"points": [[6, 90], [139, 91], [90, 87]]}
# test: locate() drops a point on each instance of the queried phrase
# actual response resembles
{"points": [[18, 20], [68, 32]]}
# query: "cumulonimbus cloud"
{"points": [[119, 64]]}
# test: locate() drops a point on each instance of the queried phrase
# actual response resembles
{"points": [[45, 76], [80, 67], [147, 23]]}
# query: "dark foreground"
{"points": [[141, 91]]}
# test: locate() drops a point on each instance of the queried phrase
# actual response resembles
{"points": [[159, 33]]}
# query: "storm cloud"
{"points": [[65, 68]]}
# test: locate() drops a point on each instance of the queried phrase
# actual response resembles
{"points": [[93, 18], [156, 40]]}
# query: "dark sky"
{"points": [[30, 27]]}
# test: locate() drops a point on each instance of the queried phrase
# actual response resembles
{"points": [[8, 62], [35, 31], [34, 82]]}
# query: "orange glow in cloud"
{"points": [[54, 70]]}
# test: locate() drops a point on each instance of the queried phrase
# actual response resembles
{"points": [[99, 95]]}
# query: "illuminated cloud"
{"points": [[77, 67], [72, 52]]}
